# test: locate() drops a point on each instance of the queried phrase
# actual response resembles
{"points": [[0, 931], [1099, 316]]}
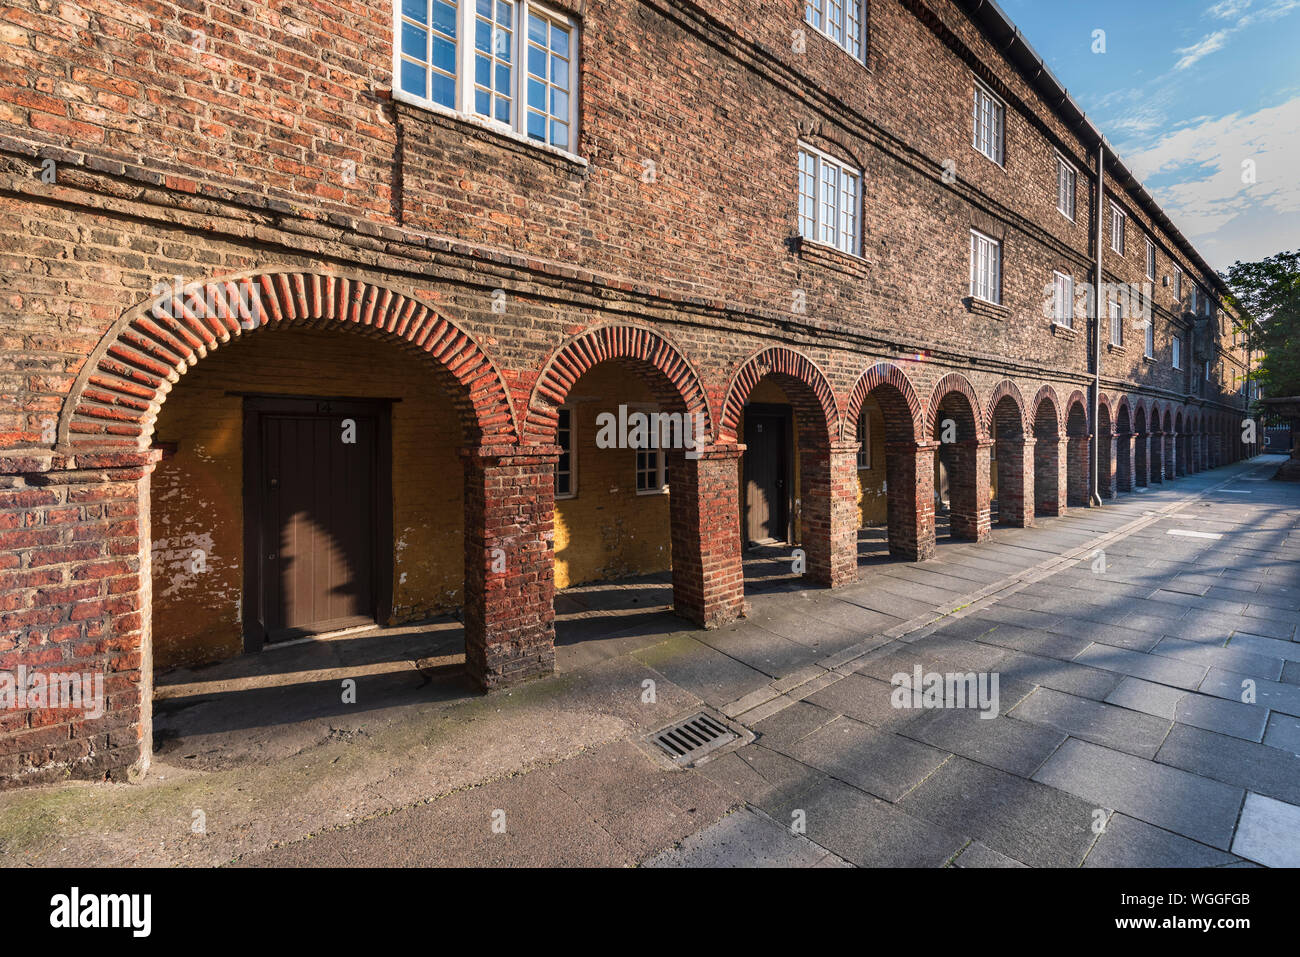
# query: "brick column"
{"points": [[1125, 453], [509, 524], [1016, 493], [909, 475], [1216, 450], [1077, 471], [75, 600], [1051, 479], [968, 490], [704, 505], [1107, 477], [830, 517], [1156, 459]]}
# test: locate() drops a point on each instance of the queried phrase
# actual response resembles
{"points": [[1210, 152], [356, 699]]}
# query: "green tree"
{"points": [[1269, 292]]}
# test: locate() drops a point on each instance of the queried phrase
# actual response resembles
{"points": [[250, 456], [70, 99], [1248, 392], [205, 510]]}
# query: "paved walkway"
{"points": [[1122, 638]]}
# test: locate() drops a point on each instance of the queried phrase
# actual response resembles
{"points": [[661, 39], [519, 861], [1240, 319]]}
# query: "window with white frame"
{"points": [[1063, 300], [864, 440], [566, 470], [1196, 298], [1178, 352], [1207, 370], [1149, 339], [1116, 324], [829, 200], [985, 267], [842, 21], [1117, 218], [1178, 285], [990, 123], [1066, 177], [651, 471], [512, 63], [1151, 260]]}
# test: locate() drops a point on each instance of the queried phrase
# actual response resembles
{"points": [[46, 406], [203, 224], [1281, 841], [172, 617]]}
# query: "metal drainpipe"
{"points": [[1094, 449]]}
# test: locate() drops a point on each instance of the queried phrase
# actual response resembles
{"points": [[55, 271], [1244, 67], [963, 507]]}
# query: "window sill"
{"points": [[814, 252], [422, 110], [566, 498], [1064, 332], [1116, 350], [1149, 359], [982, 307], [653, 491]]}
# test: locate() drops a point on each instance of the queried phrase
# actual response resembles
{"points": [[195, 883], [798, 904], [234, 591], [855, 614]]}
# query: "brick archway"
{"points": [[811, 396], [955, 419], [679, 385], [1013, 444], [955, 382], [887, 379], [1001, 391], [123, 383], [1051, 460]]}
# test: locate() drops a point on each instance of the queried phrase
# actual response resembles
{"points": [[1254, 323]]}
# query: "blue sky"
{"points": [[1187, 91]]}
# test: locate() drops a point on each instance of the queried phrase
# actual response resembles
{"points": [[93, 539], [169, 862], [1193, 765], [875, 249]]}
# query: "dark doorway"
{"points": [[766, 474], [317, 516]]}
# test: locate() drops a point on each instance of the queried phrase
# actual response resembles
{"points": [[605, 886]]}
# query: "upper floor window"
{"points": [[1063, 300], [829, 194], [990, 123], [1066, 177], [510, 62], [1149, 343], [1178, 285], [841, 20], [1178, 352], [1117, 218], [985, 267], [1116, 324], [1151, 260]]}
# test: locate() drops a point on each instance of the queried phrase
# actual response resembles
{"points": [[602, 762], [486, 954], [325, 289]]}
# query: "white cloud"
{"points": [[1227, 9], [1226, 217], [1202, 48]]}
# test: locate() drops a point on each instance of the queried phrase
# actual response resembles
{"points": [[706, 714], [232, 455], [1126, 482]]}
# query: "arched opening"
{"points": [[1123, 448], [1106, 472], [1156, 446], [1141, 459], [962, 463], [894, 471], [1171, 453], [1078, 468], [792, 493], [1050, 485], [1012, 493]]}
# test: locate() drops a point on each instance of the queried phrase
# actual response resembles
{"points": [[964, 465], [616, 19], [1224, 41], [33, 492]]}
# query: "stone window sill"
{"points": [[1064, 332], [982, 307], [1116, 350], [832, 258]]}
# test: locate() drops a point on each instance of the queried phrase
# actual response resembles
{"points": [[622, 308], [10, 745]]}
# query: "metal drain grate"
{"points": [[689, 740]]}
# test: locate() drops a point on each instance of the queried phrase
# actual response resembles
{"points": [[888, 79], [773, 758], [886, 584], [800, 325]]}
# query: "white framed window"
{"points": [[509, 63], [985, 267], [829, 200], [1178, 352], [864, 438], [1066, 178], [1196, 298], [1178, 284], [1117, 219], [1207, 370], [651, 471], [842, 21], [1063, 300], [1149, 339], [990, 123], [1151, 260], [566, 470], [1116, 324]]}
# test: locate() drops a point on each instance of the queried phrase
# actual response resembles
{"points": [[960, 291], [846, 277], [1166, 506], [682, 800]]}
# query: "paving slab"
{"points": [[1165, 671], [1269, 832], [980, 855], [1094, 721], [1283, 732], [1255, 767], [1128, 842], [1041, 826], [788, 725], [874, 761], [1230, 658], [1276, 695], [1188, 804], [744, 838], [1147, 697], [865, 699], [1010, 745], [1068, 676]]}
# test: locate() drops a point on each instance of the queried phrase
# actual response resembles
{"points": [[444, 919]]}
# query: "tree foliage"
{"points": [[1269, 292]]}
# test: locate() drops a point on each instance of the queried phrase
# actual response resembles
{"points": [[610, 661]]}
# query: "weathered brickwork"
{"points": [[257, 152]]}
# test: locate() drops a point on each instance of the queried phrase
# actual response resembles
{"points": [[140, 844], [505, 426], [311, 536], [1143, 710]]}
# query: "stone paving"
{"points": [[1148, 714]]}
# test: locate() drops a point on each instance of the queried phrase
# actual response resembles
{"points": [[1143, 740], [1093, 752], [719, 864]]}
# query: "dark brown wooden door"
{"points": [[765, 477], [316, 512]]}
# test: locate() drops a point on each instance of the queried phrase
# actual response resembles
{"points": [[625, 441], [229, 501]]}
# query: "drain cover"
{"points": [[689, 740]]}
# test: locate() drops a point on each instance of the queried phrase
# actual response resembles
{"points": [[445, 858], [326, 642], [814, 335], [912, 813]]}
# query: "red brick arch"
{"points": [[892, 381], [1003, 389], [1123, 417], [680, 385], [954, 382], [1048, 394], [122, 385], [812, 396]]}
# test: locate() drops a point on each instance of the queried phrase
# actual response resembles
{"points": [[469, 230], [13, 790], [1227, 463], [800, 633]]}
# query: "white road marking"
{"points": [[1187, 533]]}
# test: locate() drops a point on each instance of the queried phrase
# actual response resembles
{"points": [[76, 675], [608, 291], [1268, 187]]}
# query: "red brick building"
{"points": [[312, 312]]}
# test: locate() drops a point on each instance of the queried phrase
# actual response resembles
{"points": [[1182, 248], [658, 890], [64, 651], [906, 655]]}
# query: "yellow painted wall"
{"points": [[872, 501], [608, 531], [197, 500]]}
